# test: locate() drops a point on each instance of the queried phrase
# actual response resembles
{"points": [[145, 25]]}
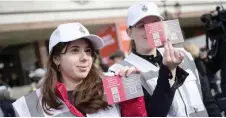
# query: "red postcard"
{"points": [[157, 33], [119, 89]]}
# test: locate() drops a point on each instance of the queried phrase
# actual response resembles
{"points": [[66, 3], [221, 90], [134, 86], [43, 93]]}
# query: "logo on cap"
{"points": [[82, 30], [144, 8]]}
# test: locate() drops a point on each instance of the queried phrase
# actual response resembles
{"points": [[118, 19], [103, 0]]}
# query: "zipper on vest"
{"points": [[183, 102]]}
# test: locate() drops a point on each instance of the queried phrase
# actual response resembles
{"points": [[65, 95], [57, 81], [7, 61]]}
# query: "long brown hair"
{"points": [[87, 96]]}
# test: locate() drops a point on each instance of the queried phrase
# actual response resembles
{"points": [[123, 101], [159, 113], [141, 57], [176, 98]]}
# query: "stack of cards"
{"points": [[158, 32], [119, 89]]}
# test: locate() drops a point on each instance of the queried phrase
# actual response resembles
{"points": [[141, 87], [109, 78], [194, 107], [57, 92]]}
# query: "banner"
{"points": [[124, 38], [108, 34]]}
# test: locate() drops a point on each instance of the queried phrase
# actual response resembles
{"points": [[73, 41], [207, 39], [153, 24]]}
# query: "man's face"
{"points": [[138, 34]]}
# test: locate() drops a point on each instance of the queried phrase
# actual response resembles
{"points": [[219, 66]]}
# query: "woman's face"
{"points": [[138, 34], [77, 61]]}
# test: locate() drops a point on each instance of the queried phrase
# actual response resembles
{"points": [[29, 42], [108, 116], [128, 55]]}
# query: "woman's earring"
{"points": [[58, 67]]}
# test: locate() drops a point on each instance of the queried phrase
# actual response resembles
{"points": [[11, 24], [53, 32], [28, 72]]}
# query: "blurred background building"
{"points": [[25, 27]]}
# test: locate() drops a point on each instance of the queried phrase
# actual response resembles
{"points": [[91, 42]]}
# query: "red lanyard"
{"points": [[61, 92]]}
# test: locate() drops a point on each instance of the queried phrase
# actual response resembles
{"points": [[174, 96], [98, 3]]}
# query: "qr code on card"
{"points": [[173, 36], [157, 42], [156, 35], [133, 89], [114, 90], [116, 97]]}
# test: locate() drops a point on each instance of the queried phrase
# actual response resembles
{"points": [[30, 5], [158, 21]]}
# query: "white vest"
{"points": [[30, 106], [188, 97]]}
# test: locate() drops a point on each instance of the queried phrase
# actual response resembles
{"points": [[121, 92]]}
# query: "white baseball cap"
{"points": [[141, 10], [73, 31]]}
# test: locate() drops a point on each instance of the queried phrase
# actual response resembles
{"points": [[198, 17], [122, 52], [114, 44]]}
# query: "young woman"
{"points": [[73, 86], [166, 92]]}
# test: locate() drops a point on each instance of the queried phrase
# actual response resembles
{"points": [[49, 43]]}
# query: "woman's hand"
{"points": [[172, 57], [126, 71]]}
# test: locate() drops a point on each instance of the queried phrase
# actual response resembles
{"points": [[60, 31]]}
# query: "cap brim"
{"points": [[140, 18], [95, 40]]}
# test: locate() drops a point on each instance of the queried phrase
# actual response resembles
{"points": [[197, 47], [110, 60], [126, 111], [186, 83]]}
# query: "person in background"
{"points": [[6, 108], [195, 53], [117, 56], [101, 65], [208, 99]]}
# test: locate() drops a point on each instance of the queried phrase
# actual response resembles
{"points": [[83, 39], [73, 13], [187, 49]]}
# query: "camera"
{"points": [[215, 25]]}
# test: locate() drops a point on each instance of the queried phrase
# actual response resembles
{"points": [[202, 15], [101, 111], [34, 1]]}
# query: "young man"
{"points": [[168, 90]]}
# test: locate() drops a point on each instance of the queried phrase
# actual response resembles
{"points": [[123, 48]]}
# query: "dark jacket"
{"points": [[159, 103], [208, 99]]}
